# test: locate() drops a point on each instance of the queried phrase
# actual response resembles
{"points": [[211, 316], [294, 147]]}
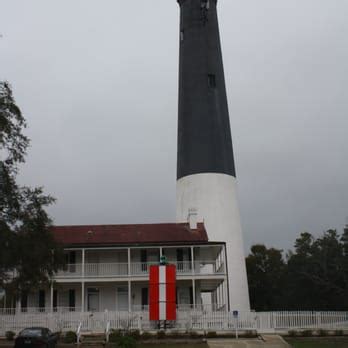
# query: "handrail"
{"points": [[78, 332], [107, 331], [120, 269]]}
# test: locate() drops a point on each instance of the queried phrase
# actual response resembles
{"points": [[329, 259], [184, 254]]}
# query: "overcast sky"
{"points": [[97, 82]]}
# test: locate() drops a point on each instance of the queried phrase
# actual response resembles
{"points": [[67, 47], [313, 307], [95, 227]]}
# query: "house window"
{"points": [[24, 302], [143, 260], [180, 259], [144, 298], [211, 81], [42, 300], [55, 300], [72, 300]]}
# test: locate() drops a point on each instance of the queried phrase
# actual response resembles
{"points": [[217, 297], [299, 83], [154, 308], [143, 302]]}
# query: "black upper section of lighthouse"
{"points": [[204, 135]]}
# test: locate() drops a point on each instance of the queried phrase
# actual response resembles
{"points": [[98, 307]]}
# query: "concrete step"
{"points": [[266, 342], [92, 340]]}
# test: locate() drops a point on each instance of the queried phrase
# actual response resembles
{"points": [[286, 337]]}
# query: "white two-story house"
{"points": [[107, 268]]}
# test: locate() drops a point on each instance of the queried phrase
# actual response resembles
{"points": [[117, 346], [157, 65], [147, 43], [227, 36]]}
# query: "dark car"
{"points": [[36, 337]]}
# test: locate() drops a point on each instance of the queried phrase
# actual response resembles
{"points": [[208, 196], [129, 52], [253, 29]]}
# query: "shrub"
{"points": [[194, 334], [114, 335], [338, 332], [161, 334], [174, 334], [211, 334], [10, 335], [307, 333], [134, 333], [146, 335], [322, 332], [292, 333], [126, 342], [250, 334], [70, 337]]}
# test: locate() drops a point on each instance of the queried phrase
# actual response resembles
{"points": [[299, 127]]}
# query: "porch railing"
{"points": [[98, 270], [197, 320]]}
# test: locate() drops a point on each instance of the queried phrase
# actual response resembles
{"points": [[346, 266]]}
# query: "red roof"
{"points": [[130, 234]]}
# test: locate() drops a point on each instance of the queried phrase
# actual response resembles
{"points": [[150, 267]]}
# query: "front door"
{"points": [[122, 299], [144, 298], [93, 300]]}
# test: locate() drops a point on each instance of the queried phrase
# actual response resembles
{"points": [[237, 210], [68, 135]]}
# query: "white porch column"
{"points": [[192, 261], [225, 294], [82, 296], [161, 252], [129, 261], [227, 299], [194, 293], [83, 264], [129, 296], [51, 306], [83, 282]]}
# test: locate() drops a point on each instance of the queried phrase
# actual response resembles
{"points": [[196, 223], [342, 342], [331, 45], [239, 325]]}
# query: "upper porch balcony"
{"points": [[135, 262], [137, 269]]}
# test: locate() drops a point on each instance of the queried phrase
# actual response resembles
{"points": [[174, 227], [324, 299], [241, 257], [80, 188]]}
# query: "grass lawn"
{"points": [[199, 345], [327, 342]]}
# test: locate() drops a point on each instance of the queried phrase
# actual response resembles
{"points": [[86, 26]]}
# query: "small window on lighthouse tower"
{"points": [[211, 81], [182, 34]]}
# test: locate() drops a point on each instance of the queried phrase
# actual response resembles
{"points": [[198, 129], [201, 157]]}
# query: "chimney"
{"points": [[192, 218]]}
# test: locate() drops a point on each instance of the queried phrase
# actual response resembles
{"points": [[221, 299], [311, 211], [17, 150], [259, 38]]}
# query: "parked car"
{"points": [[36, 337]]}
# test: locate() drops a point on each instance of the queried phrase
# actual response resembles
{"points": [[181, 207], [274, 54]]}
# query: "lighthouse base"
{"points": [[214, 197]]}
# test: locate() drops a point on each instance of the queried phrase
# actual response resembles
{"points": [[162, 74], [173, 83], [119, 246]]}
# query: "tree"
{"points": [[29, 255], [314, 276], [266, 269], [315, 273]]}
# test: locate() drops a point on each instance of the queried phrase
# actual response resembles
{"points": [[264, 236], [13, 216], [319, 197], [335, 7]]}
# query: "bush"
{"points": [[10, 335], [70, 337], [338, 332], [250, 334], [126, 342], [322, 332], [211, 334], [161, 334], [307, 333], [134, 333], [114, 335], [146, 335], [194, 334], [292, 333], [174, 334]]}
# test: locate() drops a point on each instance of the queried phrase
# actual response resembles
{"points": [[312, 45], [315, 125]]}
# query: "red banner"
{"points": [[163, 292]]}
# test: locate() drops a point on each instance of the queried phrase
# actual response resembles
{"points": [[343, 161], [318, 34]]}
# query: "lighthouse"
{"points": [[206, 176]]}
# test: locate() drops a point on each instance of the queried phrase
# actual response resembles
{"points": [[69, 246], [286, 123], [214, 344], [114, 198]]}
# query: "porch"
{"points": [[129, 296], [92, 263]]}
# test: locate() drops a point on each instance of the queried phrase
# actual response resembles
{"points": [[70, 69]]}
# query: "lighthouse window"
{"points": [[182, 35], [211, 81]]}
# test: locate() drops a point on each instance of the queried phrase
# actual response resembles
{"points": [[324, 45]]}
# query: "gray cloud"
{"points": [[97, 82]]}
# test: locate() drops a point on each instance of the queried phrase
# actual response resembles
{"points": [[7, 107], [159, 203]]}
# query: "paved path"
{"points": [[269, 341]]}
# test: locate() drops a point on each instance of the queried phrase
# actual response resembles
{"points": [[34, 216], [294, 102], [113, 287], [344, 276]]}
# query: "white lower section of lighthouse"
{"points": [[214, 197]]}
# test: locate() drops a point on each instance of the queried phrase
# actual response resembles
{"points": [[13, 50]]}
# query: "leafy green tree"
{"points": [[315, 273], [314, 276], [28, 252], [266, 269]]}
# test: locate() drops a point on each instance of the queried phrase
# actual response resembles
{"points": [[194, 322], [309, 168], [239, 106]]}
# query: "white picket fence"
{"points": [[186, 321]]}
